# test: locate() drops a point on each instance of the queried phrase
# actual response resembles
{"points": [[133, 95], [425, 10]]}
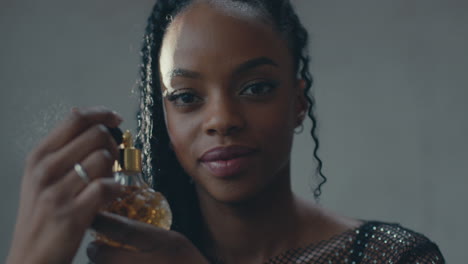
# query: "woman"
{"points": [[224, 86]]}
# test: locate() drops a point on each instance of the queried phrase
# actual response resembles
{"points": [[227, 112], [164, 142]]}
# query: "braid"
{"points": [[301, 55], [160, 166], [283, 16]]}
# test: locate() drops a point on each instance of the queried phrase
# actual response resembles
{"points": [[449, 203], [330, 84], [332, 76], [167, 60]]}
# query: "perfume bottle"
{"points": [[138, 201]]}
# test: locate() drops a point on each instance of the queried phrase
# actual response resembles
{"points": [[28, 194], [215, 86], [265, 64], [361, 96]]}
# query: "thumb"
{"points": [[140, 235]]}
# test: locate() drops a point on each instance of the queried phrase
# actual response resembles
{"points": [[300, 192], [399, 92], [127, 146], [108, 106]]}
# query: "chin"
{"points": [[233, 193], [235, 199]]}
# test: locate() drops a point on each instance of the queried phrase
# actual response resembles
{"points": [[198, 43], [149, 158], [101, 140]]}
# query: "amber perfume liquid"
{"points": [[144, 205], [138, 202]]}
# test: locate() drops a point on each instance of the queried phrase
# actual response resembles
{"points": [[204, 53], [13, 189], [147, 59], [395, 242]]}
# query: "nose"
{"points": [[224, 117]]}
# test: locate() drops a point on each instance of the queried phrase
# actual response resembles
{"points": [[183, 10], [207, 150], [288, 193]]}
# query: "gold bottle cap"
{"points": [[130, 157]]}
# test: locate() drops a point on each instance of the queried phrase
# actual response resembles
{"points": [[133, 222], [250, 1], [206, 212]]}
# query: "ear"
{"points": [[302, 105]]}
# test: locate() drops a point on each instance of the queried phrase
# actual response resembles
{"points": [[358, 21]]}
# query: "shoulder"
{"points": [[371, 242], [387, 241]]}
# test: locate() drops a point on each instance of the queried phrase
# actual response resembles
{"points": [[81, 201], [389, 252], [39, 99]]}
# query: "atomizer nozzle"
{"points": [[127, 140], [130, 157]]}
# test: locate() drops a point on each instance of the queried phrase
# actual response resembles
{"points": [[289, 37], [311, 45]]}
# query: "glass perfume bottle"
{"points": [[138, 201]]}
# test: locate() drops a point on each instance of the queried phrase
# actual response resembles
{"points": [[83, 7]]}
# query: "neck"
{"points": [[254, 230]]}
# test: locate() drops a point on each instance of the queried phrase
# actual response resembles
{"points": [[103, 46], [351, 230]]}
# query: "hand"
{"points": [[155, 245], [56, 205]]}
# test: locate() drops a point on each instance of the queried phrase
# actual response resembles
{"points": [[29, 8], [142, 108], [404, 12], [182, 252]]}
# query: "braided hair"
{"points": [[160, 165]]}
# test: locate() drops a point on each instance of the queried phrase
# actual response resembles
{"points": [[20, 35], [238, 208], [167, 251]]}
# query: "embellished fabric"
{"points": [[373, 242]]}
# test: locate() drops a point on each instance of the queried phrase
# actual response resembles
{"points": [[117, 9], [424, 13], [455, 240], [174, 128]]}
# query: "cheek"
{"points": [[183, 132], [278, 119], [274, 127]]}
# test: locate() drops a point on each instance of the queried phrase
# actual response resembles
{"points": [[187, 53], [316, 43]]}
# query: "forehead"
{"points": [[211, 37], [233, 8]]}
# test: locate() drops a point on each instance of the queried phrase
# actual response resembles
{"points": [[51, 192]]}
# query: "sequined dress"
{"points": [[372, 242]]}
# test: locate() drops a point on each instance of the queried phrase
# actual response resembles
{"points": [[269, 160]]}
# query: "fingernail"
{"points": [[118, 116], [107, 154], [91, 251]]}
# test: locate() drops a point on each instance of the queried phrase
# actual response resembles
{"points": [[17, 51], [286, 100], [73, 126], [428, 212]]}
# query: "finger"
{"points": [[63, 160], [99, 252], [130, 232], [95, 137], [97, 165], [94, 197], [79, 121]]}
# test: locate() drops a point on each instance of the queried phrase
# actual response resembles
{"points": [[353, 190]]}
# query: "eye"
{"points": [[184, 98], [258, 89]]}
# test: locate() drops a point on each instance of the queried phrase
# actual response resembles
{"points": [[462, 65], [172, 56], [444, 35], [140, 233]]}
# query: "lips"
{"points": [[225, 153], [227, 161]]}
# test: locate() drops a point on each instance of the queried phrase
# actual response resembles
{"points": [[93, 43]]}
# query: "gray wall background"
{"points": [[390, 84]]}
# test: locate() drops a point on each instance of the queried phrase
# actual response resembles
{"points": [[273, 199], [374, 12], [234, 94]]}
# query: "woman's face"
{"points": [[231, 101]]}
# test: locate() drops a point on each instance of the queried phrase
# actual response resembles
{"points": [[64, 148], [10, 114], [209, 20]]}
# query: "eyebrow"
{"points": [[245, 66], [184, 73]]}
